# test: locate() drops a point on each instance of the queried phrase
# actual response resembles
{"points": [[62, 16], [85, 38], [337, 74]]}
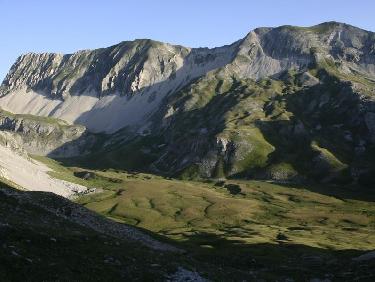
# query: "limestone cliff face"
{"points": [[106, 89], [47, 136], [268, 51], [123, 85], [126, 68], [132, 66]]}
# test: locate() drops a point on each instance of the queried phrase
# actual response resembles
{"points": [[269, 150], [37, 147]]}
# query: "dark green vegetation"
{"points": [[269, 232], [274, 231], [38, 244], [276, 129]]}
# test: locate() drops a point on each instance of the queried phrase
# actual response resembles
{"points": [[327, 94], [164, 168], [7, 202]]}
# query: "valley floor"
{"points": [[256, 229]]}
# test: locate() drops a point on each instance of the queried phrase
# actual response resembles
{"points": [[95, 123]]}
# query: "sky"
{"points": [[71, 25]]}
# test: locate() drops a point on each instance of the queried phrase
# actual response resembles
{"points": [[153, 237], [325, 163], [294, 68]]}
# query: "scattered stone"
{"points": [[183, 275], [86, 175], [111, 260], [15, 253]]}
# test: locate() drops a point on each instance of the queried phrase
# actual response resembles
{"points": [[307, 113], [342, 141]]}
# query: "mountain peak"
{"points": [[145, 71]]}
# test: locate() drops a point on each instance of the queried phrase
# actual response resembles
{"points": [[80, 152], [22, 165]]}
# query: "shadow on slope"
{"points": [[279, 261], [40, 242], [327, 139], [162, 152], [310, 141], [133, 106]]}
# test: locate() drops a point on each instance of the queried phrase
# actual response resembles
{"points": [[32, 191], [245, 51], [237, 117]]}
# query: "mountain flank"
{"points": [[284, 104]]}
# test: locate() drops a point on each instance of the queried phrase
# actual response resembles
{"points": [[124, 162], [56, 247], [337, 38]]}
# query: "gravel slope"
{"points": [[32, 175]]}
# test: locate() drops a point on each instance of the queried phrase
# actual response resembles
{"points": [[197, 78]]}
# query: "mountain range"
{"points": [[286, 103], [247, 162]]}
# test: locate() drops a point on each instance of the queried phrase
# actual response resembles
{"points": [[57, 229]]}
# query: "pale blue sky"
{"points": [[70, 25]]}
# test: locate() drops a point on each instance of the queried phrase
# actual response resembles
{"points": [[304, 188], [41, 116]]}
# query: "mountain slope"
{"points": [[45, 135], [110, 88], [25, 173], [105, 89], [295, 125], [302, 126], [285, 103], [47, 238]]}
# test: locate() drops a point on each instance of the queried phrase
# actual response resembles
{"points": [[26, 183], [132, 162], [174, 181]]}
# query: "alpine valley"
{"points": [[255, 160]]}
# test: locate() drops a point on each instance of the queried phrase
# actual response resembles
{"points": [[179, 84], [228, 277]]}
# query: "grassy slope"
{"points": [[265, 223], [39, 245]]}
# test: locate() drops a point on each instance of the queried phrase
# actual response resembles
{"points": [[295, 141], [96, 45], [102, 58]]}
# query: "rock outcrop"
{"points": [[123, 85], [286, 103], [47, 136], [106, 89]]}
